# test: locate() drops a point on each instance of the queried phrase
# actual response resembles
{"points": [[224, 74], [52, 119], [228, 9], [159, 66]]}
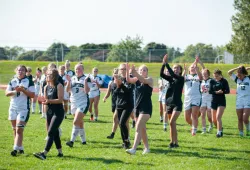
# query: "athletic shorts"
{"points": [[243, 103], [19, 114], [173, 107], [93, 94], [215, 105], [66, 95], [144, 109], [191, 101], [113, 108], [37, 90], [162, 97], [79, 107], [206, 103]]}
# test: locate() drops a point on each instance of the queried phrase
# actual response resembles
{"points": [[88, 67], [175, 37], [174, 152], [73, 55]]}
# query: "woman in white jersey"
{"points": [[205, 108], [66, 94], [192, 98], [42, 80], [20, 89], [78, 86], [243, 97], [36, 81], [94, 93]]}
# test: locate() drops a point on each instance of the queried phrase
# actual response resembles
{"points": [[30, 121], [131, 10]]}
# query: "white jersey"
{"points": [[192, 85], [77, 90], [70, 73], [20, 100], [243, 87], [37, 85], [205, 88], [94, 86]]}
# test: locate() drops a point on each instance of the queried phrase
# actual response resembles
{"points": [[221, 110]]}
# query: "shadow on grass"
{"points": [[177, 152], [225, 150]]}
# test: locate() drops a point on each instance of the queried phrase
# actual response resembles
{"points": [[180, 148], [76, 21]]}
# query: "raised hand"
{"points": [[68, 78], [165, 59]]}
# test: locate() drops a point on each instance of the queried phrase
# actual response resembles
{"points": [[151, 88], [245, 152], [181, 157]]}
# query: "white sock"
{"points": [[43, 114], [96, 117], [20, 148], [82, 134], [165, 125], [33, 108], [241, 133], [204, 129], [247, 126], [75, 131], [219, 132], [15, 147], [161, 118], [40, 107]]}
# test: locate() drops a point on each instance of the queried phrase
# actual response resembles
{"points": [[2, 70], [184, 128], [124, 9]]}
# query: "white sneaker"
{"points": [[204, 132], [145, 151], [241, 134], [131, 151], [46, 138]]}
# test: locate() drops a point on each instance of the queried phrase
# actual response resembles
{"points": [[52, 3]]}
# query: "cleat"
{"points": [[21, 151], [131, 151], [84, 143], [40, 112], [210, 129], [193, 133], [248, 133], [70, 143], [145, 151], [133, 124], [60, 155], [65, 117], [164, 129], [219, 135], [13, 153], [171, 145], [176, 145], [40, 155], [111, 136], [95, 119]]}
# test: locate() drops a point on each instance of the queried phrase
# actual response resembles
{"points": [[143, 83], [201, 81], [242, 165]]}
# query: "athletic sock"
{"points": [[75, 131], [204, 129], [82, 134], [40, 107], [211, 125], [15, 147], [165, 125], [219, 132], [20, 148], [241, 133], [33, 108], [247, 126]]}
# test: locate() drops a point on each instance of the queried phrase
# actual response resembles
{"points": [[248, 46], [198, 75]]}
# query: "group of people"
{"points": [[131, 91]]}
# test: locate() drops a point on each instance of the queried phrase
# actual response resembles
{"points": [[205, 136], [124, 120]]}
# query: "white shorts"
{"points": [[191, 101], [206, 103], [243, 103], [93, 94], [19, 114], [37, 91], [162, 97], [79, 107], [66, 95]]}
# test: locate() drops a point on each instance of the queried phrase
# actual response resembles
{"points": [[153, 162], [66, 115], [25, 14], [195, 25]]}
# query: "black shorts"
{"points": [[215, 105], [113, 108], [173, 107], [146, 109]]}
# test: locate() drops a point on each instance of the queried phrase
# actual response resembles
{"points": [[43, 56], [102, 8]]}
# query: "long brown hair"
{"points": [[55, 75]]}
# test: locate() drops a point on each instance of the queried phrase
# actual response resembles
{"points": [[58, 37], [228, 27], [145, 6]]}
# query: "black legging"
{"points": [[123, 116], [54, 121]]}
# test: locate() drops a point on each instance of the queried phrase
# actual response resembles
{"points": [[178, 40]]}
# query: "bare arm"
{"points": [[230, 72], [60, 94], [68, 85], [86, 86], [198, 73], [143, 80], [108, 92], [129, 79]]}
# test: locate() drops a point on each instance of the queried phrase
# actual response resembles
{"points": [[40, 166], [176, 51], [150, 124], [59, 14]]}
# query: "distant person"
{"points": [[143, 107], [37, 80], [218, 88], [173, 97], [242, 79], [110, 90], [78, 86], [42, 85], [28, 73], [53, 98], [71, 73], [66, 94], [192, 95], [20, 89], [94, 93]]}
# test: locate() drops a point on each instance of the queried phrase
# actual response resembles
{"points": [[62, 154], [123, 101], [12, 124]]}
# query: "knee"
{"points": [[172, 123], [240, 119], [245, 120]]}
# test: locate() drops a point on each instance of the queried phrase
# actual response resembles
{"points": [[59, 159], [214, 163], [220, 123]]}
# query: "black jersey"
{"points": [[143, 97], [52, 93], [122, 97], [176, 83], [30, 77], [113, 95], [60, 80], [131, 90], [219, 85]]}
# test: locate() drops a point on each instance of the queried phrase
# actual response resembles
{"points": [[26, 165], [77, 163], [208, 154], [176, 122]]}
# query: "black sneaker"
{"points": [[40, 112], [219, 135], [60, 155], [84, 143], [171, 145], [133, 124], [126, 145], [176, 145], [21, 151], [164, 129], [65, 117], [70, 143], [13, 153], [40, 155], [111, 136]]}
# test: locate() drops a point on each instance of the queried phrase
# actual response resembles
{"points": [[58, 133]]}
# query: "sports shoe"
{"points": [[219, 135], [91, 118], [13, 153], [95, 119], [133, 124], [164, 129], [210, 129], [248, 133], [60, 155], [176, 145], [203, 133], [21, 151], [70, 143], [126, 144], [145, 151], [111, 136], [40, 112], [42, 117], [171, 145], [40, 155], [241, 134], [46, 138], [193, 133], [65, 117], [131, 151], [84, 143]]}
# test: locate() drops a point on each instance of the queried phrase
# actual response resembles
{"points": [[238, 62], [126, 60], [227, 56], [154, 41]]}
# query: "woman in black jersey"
{"points": [[173, 97], [111, 89], [143, 105], [218, 88], [53, 97]]}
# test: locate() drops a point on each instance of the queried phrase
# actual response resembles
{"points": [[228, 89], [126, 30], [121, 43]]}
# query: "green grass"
{"points": [[7, 68], [195, 152]]}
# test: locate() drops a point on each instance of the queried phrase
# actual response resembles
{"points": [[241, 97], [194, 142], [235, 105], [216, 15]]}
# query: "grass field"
{"points": [[195, 152], [7, 68]]}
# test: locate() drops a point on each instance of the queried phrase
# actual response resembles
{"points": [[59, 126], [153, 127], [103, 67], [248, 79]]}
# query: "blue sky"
{"points": [[176, 23]]}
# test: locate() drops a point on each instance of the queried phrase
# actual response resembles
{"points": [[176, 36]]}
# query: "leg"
{"points": [[65, 106], [173, 130], [219, 114], [33, 106], [19, 133], [195, 113], [188, 116], [91, 100], [214, 118], [240, 119], [96, 103], [203, 118], [161, 109], [246, 120]]}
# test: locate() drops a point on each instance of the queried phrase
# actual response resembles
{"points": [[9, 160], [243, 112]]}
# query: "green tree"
{"points": [[127, 50], [240, 42], [3, 55], [13, 52], [55, 52], [30, 55], [74, 54], [155, 51]]}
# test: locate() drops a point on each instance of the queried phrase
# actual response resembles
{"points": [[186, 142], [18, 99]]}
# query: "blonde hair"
{"points": [[67, 62]]}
